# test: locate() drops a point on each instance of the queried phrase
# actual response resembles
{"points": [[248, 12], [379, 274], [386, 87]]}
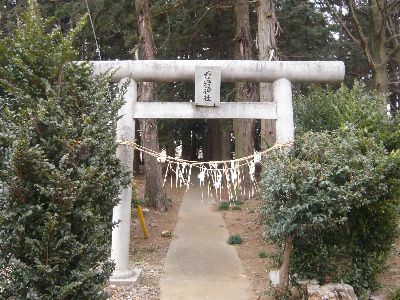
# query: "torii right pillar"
{"points": [[282, 95]]}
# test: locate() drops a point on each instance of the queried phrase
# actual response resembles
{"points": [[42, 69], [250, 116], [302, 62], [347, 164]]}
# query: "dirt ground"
{"points": [[149, 255], [390, 279], [247, 223]]}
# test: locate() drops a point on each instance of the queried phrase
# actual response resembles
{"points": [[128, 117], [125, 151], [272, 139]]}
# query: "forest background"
{"points": [[365, 35]]}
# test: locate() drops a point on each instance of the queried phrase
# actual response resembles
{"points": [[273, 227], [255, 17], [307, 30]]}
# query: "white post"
{"points": [[122, 212], [282, 95]]}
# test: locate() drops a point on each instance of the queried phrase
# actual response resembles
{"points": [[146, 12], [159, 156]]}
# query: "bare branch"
{"points": [[392, 53], [391, 27], [384, 15], [167, 9], [393, 37], [360, 32], [392, 4], [337, 17]]}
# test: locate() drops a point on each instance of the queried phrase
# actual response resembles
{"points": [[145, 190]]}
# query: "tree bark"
{"points": [[220, 140], [194, 147], [170, 146], [219, 144], [186, 144], [378, 47], [245, 91], [225, 140], [284, 269], [267, 27], [154, 191], [214, 131], [136, 153]]}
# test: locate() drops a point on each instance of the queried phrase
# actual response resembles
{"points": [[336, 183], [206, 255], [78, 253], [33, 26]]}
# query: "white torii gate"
{"points": [[280, 73]]}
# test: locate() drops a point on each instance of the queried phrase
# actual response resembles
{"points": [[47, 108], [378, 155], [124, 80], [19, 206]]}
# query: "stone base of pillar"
{"points": [[130, 277]]}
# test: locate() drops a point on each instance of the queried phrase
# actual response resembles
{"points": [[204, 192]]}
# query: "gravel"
{"points": [[148, 288]]}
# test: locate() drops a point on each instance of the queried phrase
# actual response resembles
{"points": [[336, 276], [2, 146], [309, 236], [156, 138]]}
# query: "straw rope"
{"points": [[238, 162], [212, 173]]}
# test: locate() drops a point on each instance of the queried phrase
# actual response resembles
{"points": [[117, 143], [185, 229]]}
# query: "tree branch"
{"points": [[393, 4], [392, 29], [393, 37], [360, 32], [384, 16], [337, 17], [167, 9], [392, 53]]}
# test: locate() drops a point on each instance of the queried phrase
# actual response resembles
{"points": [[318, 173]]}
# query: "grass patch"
{"points": [[235, 239], [231, 204], [395, 295], [236, 202], [263, 254], [236, 207], [223, 205]]}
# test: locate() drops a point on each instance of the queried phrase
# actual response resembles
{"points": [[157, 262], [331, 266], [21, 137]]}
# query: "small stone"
{"points": [[306, 282], [274, 277], [376, 297], [330, 292], [145, 210], [166, 233]]}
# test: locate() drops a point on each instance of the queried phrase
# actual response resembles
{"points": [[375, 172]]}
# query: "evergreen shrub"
{"points": [[223, 205], [336, 192], [59, 175]]}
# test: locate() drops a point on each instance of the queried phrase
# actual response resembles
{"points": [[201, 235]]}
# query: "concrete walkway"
{"points": [[200, 264]]}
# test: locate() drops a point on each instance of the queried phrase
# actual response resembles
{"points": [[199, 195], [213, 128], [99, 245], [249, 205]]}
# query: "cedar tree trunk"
{"points": [[154, 191], [267, 27], [245, 91]]}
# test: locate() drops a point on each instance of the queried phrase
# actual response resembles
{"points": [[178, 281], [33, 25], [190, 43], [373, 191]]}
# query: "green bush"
{"points": [[224, 205], [337, 191], [332, 192], [324, 109], [263, 254], [59, 175], [235, 239], [395, 295], [236, 207]]}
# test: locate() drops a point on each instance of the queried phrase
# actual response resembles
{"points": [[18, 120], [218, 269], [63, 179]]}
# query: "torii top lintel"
{"points": [[231, 70]]}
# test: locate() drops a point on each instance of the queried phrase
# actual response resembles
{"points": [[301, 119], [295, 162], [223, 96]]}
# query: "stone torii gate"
{"points": [[279, 73]]}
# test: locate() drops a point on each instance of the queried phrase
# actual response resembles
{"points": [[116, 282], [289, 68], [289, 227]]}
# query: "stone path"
{"points": [[200, 264]]}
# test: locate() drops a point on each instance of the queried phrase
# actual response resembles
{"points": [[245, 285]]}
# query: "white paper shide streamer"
{"points": [[215, 175]]}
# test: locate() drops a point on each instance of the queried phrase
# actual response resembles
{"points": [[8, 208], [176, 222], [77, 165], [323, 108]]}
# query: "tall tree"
{"points": [[112, 21], [245, 91], [267, 30], [372, 26], [154, 191], [305, 34], [188, 30]]}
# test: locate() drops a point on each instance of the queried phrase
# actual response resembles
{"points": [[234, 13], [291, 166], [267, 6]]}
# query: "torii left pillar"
{"points": [[123, 274]]}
